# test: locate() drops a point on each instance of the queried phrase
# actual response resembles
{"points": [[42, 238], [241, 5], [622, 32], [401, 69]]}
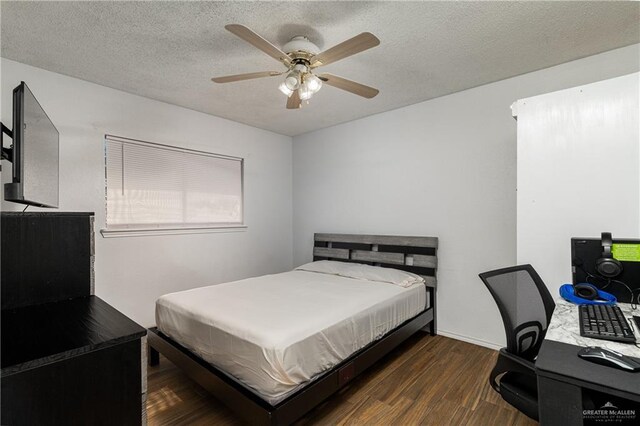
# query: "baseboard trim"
{"points": [[468, 339]]}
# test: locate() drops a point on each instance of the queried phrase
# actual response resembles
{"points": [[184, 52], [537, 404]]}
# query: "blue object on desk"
{"points": [[568, 293]]}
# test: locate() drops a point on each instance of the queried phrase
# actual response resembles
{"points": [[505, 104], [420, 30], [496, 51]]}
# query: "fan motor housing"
{"points": [[300, 47]]}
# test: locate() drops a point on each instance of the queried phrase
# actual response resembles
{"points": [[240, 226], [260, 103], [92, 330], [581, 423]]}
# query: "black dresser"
{"points": [[68, 357]]}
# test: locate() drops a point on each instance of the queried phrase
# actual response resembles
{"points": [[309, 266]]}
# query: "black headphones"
{"points": [[607, 266], [585, 291]]}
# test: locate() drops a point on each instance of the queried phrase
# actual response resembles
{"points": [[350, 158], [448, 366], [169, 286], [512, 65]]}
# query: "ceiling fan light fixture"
{"points": [[284, 89], [305, 92], [292, 81], [313, 83]]}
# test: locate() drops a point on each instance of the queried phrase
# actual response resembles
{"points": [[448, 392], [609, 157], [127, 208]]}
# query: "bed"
{"points": [[271, 349]]}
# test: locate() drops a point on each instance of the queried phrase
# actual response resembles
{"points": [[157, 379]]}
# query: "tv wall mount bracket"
{"points": [[7, 153]]}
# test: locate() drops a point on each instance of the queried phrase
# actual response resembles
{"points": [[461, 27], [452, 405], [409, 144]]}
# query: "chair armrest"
{"points": [[509, 362], [528, 366]]}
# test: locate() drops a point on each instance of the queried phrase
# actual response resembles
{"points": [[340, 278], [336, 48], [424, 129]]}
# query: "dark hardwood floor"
{"points": [[429, 380]]}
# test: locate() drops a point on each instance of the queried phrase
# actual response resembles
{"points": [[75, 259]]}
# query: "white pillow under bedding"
{"points": [[363, 272]]}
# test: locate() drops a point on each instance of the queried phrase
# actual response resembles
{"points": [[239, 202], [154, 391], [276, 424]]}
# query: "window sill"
{"points": [[146, 232]]}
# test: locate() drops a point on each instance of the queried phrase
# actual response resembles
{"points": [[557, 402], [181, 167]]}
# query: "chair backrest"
{"points": [[525, 305]]}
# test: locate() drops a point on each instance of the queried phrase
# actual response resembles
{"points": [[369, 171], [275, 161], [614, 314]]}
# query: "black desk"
{"points": [[569, 385], [76, 361]]}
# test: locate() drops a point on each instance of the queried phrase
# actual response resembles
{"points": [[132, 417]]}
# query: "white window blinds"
{"points": [[152, 186]]}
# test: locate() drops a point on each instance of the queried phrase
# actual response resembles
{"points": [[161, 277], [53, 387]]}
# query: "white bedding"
{"points": [[277, 332]]}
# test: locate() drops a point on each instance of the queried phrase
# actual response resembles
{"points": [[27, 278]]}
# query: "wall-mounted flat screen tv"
{"points": [[35, 154]]}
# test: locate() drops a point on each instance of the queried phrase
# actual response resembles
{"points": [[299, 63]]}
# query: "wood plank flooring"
{"points": [[428, 380]]}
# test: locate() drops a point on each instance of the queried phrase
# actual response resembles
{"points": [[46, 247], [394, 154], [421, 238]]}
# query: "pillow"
{"points": [[363, 272]]}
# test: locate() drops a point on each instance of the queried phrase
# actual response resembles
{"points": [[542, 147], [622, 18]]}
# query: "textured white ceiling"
{"points": [[169, 50]]}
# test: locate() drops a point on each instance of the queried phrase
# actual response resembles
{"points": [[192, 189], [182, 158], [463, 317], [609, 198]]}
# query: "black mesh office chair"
{"points": [[526, 307]]}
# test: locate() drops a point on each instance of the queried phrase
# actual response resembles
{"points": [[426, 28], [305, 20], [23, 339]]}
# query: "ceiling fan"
{"points": [[301, 57]]}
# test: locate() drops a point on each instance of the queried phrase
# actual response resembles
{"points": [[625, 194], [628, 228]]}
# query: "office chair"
{"points": [[526, 307]]}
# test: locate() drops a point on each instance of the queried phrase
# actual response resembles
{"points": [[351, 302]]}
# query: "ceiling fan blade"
{"points": [[294, 102], [348, 85], [248, 76], [250, 37], [347, 48]]}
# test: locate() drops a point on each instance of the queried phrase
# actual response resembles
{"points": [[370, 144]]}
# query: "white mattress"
{"points": [[277, 332]]}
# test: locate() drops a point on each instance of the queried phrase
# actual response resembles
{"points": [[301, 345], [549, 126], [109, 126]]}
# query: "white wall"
{"points": [[132, 272], [578, 171], [445, 168]]}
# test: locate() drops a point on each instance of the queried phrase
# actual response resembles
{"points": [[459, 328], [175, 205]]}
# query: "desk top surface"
{"points": [[33, 336], [558, 355], [560, 361], [565, 328]]}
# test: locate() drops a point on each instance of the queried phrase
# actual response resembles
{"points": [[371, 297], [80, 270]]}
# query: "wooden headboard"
{"points": [[412, 254]]}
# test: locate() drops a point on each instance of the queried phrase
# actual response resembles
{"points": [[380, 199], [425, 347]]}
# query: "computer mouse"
{"points": [[609, 358]]}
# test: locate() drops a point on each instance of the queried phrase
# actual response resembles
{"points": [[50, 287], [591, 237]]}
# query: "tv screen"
{"points": [[35, 153]]}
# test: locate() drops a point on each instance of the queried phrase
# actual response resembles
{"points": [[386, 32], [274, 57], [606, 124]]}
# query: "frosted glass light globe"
{"points": [[284, 89], [313, 83], [293, 80], [305, 92]]}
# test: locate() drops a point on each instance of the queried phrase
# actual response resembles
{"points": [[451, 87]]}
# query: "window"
{"points": [[158, 187]]}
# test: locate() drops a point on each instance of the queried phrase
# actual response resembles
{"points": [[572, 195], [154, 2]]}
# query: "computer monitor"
{"points": [[586, 251]]}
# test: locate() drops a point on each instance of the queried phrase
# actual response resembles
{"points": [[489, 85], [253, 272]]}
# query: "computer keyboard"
{"points": [[605, 322]]}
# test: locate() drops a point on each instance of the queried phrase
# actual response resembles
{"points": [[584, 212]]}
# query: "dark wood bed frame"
{"points": [[413, 254]]}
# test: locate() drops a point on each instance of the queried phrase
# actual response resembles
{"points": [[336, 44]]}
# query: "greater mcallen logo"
{"points": [[609, 413]]}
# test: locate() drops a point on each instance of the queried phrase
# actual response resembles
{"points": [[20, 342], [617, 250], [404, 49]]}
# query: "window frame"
{"points": [[170, 229]]}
